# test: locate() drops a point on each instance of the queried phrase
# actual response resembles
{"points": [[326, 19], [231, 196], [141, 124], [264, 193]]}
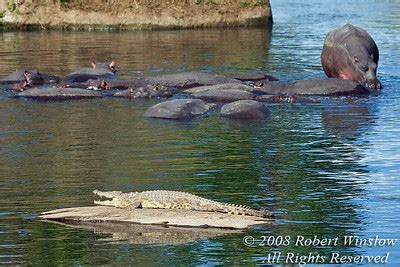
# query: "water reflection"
{"points": [[330, 169], [136, 52], [295, 162], [121, 233]]}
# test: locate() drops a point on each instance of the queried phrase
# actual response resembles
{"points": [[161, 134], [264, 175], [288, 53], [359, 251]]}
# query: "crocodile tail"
{"points": [[264, 212], [245, 210]]}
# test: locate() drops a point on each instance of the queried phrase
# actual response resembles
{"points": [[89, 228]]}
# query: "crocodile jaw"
{"points": [[117, 199], [109, 194]]}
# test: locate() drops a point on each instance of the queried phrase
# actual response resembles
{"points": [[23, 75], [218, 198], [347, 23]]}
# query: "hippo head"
{"points": [[108, 66], [364, 71], [364, 57], [33, 78]]}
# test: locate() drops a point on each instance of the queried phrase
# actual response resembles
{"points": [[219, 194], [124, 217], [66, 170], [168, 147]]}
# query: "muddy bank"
{"points": [[139, 14]]}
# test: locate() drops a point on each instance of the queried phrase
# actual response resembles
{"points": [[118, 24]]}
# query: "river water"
{"points": [[331, 169]]}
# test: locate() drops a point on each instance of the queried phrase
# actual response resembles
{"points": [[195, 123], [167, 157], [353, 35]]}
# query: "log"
{"points": [[165, 217]]}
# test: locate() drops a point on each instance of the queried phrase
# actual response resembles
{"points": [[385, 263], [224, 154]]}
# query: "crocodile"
{"points": [[164, 199]]}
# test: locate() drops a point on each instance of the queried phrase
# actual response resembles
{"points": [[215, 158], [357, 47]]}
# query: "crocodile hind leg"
{"points": [[176, 204]]}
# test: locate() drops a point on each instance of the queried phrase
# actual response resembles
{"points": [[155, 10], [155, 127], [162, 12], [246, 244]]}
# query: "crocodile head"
{"points": [[118, 199]]}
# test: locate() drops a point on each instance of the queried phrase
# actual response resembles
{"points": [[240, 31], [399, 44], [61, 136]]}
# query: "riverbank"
{"points": [[134, 15]]}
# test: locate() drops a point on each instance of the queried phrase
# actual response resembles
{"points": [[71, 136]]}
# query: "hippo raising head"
{"points": [[95, 72], [351, 54], [107, 66]]}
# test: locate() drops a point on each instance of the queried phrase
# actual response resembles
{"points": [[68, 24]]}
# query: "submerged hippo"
{"points": [[186, 80], [57, 93], [178, 109], [24, 79], [147, 91], [315, 87], [103, 84], [97, 71], [351, 54]]}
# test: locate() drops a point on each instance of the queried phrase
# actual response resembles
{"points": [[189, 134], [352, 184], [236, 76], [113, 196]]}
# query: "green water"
{"points": [[329, 169]]}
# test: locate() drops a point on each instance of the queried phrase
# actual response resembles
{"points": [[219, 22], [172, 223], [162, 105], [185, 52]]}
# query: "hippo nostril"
{"points": [[373, 84]]}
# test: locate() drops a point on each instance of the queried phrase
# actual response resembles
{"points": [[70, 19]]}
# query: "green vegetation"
{"points": [[64, 3], [11, 7], [251, 3], [260, 2]]}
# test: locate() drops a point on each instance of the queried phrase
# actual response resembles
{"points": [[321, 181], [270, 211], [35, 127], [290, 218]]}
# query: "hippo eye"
{"points": [[364, 68]]}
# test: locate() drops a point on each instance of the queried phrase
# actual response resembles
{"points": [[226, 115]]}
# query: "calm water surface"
{"points": [[330, 169]]}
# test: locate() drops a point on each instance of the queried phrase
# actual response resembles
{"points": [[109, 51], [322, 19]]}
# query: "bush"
{"points": [[11, 6], [64, 2]]}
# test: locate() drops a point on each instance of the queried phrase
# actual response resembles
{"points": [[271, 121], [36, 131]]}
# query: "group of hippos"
{"points": [[349, 58]]}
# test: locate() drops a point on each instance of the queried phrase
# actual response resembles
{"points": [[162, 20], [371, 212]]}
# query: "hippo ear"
{"points": [[355, 59], [112, 64], [93, 64], [26, 75]]}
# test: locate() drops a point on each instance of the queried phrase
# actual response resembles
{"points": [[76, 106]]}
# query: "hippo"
{"points": [[253, 77], [178, 109], [245, 109], [350, 53], [97, 71], [103, 84], [288, 99], [186, 80], [314, 87], [23, 79], [146, 91], [57, 93]]}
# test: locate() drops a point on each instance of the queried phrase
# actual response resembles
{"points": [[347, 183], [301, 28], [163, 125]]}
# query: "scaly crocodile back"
{"points": [[190, 201]]}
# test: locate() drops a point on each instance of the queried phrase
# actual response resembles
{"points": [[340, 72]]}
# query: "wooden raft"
{"points": [[165, 217]]}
